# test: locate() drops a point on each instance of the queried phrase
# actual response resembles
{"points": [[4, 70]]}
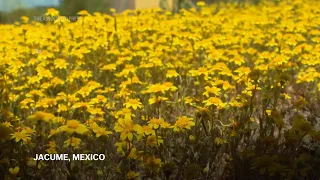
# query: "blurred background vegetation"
{"points": [[12, 10]]}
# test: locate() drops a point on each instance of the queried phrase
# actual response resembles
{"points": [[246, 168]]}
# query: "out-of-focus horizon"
{"points": [[12, 10], [10, 5], [119, 5]]}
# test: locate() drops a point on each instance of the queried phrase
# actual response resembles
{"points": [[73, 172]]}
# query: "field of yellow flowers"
{"points": [[199, 94]]}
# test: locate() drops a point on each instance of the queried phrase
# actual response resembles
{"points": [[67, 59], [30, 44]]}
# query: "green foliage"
{"points": [[13, 16], [72, 7]]}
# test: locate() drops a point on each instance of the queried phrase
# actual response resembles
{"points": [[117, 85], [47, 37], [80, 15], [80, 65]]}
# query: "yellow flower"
{"points": [[154, 88], [126, 128], [57, 81], [152, 162], [95, 111], [157, 99], [135, 80], [7, 124], [100, 131], [122, 147], [52, 144], [201, 3], [112, 10], [52, 12], [154, 140], [73, 126], [156, 123], [42, 116], [5, 132], [169, 86], [60, 64], [268, 111], [134, 103], [62, 108], [22, 135], [200, 71], [132, 175], [145, 130], [212, 90], [31, 162], [44, 73], [134, 154], [98, 99], [26, 103], [220, 141], [24, 19], [14, 171], [214, 101], [81, 105], [28, 130], [188, 100], [52, 132], [286, 96], [191, 138], [83, 13], [123, 112], [172, 73], [183, 122], [46, 102], [73, 141], [51, 150], [109, 67]]}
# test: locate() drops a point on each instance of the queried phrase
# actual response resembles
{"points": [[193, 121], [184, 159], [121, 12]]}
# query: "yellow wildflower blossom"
{"points": [[73, 142], [183, 122], [22, 135], [134, 103], [73, 126], [125, 127]]}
